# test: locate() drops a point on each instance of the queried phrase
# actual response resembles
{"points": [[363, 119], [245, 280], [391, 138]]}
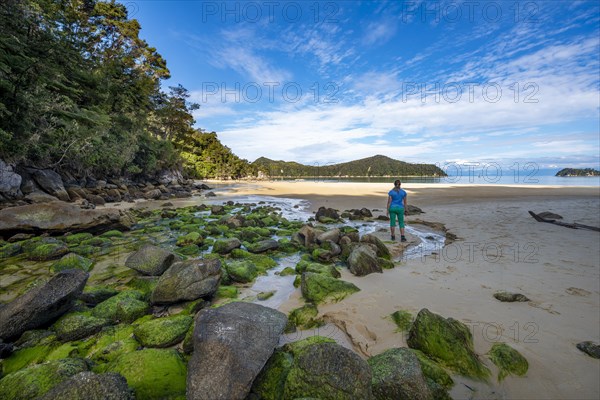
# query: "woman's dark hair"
{"points": [[397, 182]]}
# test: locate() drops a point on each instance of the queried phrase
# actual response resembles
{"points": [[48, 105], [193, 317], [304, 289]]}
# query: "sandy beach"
{"points": [[499, 247]]}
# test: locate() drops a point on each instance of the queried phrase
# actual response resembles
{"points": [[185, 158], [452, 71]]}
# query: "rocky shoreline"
{"points": [[162, 319], [20, 185]]}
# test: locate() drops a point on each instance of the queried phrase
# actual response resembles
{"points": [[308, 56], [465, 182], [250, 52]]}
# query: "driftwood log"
{"points": [[555, 222]]}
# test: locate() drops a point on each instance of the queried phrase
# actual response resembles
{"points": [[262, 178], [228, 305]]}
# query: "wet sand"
{"points": [[499, 247]]}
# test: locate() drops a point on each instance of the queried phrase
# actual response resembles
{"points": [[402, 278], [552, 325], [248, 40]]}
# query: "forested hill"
{"points": [[80, 93], [578, 172], [371, 166]]}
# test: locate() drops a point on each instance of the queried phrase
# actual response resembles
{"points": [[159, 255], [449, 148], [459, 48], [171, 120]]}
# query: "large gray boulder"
{"points": [[60, 217], [363, 261], [232, 343], [305, 236], [10, 181], [331, 235], [226, 246], [382, 250], [263, 246], [42, 304], [397, 375], [91, 386], [150, 260], [187, 280], [51, 183]]}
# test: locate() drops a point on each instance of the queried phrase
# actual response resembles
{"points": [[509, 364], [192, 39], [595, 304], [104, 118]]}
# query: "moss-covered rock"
{"points": [[262, 262], [90, 386], [93, 295], [262, 296], [123, 307], [225, 246], [77, 238], [72, 261], [112, 234], [397, 375], [305, 317], [242, 271], [402, 319], [96, 242], [144, 285], [36, 380], [84, 250], [382, 250], [10, 250], [327, 371], [508, 360], [385, 264], [191, 250], [25, 357], [510, 297], [48, 251], [434, 372], [163, 332], [270, 383], [319, 288], [318, 268], [229, 292], [190, 238], [112, 342], [153, 373], [447, 341], [35, 337], [287, 271], [78, 325]]}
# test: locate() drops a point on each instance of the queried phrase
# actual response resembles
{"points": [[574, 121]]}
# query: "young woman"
{"points": [[396, 205]]}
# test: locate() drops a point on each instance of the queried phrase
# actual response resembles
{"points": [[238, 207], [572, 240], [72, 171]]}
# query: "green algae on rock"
{"points": [[308, 266], [110, 343], [447, 341], [265, 295], [72, 261], [397, 375], [36, 380], [163, 332], [230, 292], [242, 271], [320, 288], [402, 319], [304, 317], [152, 373], [433, 372], [78, 325], [48, 251], [124, 307], [508, 360], [326, 370]]}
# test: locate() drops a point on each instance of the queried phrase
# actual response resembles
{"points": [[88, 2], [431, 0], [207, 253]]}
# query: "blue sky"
{"points": [[420, 81]]}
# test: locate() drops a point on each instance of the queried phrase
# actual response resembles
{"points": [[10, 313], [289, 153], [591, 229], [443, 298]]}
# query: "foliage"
{"points": [[376, 166], [80, 91], [578, 172]]}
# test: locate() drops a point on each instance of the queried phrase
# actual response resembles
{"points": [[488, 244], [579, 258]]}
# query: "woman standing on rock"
{"points": [[396, 205]]}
